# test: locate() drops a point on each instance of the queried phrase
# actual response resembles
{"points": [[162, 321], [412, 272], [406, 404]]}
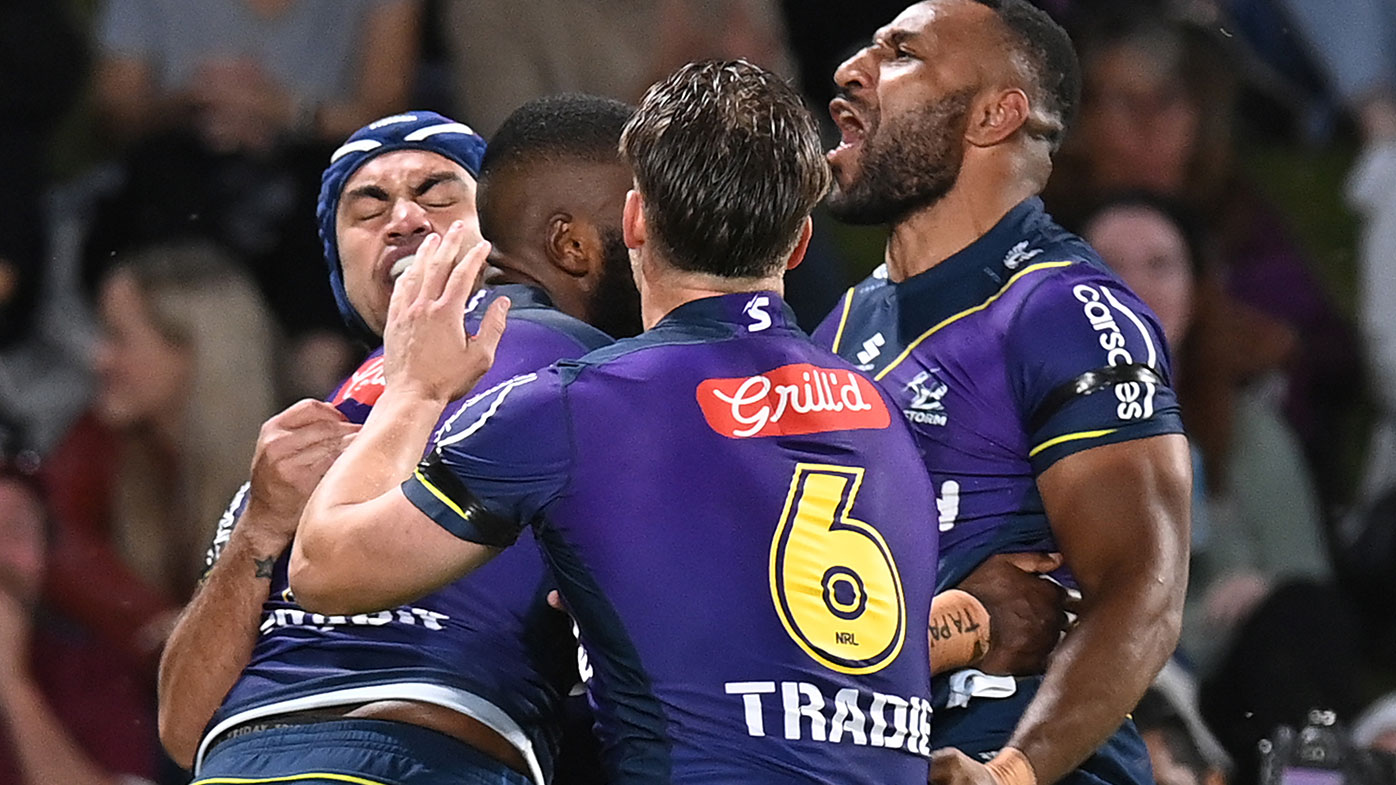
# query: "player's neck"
{"points": [[933, 234], [663, 290]]}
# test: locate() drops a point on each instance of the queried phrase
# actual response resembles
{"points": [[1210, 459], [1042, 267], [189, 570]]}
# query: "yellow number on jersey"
{"points": [[833, 579]]}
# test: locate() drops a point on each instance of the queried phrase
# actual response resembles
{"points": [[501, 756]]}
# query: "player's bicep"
{"points": [[1120, 513], [361, 570]]}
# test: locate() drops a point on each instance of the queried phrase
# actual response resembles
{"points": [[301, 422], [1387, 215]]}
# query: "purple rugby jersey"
{"points": [[986, 355], [1009, 355], [739, 523], [487, 645]]}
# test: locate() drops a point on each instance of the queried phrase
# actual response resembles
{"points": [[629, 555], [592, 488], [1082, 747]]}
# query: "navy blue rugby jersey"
{"points": [[488, 645], [1009, 355], [729, 513]]}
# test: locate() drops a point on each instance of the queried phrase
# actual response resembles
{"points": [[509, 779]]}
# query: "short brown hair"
{"points": [[730, 163]]}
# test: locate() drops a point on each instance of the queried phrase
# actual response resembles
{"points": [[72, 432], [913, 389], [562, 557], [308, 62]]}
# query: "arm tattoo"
{"points": [[264, 566]]}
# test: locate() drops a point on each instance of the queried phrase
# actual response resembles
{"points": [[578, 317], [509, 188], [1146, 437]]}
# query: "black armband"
{"points": [[477, 524], [1089, 383]]}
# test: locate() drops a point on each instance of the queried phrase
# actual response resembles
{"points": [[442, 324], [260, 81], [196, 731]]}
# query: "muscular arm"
{"points": [[213, 641], [1120, 513], [361, 545]]}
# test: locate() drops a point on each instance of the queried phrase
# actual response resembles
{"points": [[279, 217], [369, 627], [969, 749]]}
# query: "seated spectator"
{"points": [[1156, 114], [505, 53], [1375, 729], [229, 109], [185, 368], [69, 713], [1175, 743], [245, 74], [1258, 561]]}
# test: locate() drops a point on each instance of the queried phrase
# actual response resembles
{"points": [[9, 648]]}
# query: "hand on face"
{"points": [[426, 349], [294, 450]]}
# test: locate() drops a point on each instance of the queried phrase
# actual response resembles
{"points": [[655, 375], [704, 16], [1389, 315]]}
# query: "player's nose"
{"points": [[855, 72], [408, 218]]}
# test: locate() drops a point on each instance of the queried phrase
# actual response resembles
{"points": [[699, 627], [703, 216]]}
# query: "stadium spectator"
{"points": [[505, 53], [1375, 728], [1156, 114], [1259, 555], [1175, 750], [185, 364], [1259, 522], [227, 109], [69, 712]]}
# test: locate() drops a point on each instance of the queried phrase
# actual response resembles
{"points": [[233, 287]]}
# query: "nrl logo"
{"points": [[1019, 254]]}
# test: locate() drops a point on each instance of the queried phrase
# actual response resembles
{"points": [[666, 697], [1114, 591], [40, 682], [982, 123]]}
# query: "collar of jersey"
{"points": [[520, 296], [981, 263], [733, 310]]}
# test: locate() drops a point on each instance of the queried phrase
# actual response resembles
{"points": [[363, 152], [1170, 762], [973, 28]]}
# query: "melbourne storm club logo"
{"points": [[926, 406]]}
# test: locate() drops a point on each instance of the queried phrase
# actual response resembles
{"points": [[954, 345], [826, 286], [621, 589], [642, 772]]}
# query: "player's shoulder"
{"points": [[642, 354], [534, 314], [1069, 273]]}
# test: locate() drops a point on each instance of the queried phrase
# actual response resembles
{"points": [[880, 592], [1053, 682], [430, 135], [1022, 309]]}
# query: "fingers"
{"points": [[1034, 562], [284, 443], [440, 263], [464, 275], [492, 326], [305, 412], [408, 284], [555, 601]]}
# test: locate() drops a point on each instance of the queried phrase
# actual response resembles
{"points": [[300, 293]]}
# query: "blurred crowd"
{"points": [[162, 293]]}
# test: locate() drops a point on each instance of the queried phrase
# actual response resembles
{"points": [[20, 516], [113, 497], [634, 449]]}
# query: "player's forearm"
{"points": [[342, 541], [1099, 673], [213, 641], [45, 751]]}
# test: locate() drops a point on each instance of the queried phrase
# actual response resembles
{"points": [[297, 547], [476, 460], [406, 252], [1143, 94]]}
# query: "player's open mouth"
{"points": [[851, 128], [401, 266]]}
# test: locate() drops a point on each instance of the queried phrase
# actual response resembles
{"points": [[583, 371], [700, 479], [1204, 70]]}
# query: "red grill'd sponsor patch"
{"points": [[365, 385], [792, 400]]}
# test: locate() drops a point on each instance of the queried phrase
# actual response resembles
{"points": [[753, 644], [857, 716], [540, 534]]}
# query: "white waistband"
{"points": [[466, 703]]}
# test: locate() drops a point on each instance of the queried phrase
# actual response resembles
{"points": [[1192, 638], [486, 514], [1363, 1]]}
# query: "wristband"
{"points": [[959, 630], [1011, 767]]}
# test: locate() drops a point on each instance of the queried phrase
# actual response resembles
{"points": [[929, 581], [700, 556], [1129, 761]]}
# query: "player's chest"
{"points": [[949, 381]]}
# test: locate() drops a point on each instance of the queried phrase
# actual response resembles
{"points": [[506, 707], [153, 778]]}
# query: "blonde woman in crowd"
{"points": [[186, 373]]}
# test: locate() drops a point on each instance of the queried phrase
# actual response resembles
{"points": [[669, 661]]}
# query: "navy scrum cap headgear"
{"points": [[408, 131]]}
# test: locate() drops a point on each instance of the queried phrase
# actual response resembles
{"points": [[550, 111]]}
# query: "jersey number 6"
{"points": [[833, 580]]}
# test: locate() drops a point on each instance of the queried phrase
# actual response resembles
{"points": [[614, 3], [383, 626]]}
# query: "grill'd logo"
{"points": [[792, 400]]}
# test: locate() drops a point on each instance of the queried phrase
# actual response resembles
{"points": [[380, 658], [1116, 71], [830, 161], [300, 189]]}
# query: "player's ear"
{"points": [[572, 244], [801, 245], [633, 220], [997, 116]]}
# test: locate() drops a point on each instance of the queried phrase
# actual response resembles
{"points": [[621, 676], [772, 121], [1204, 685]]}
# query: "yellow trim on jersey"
{"points": [[446, 500], [843, 320], [288, 778], [1070, 437], [962, 314]]}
